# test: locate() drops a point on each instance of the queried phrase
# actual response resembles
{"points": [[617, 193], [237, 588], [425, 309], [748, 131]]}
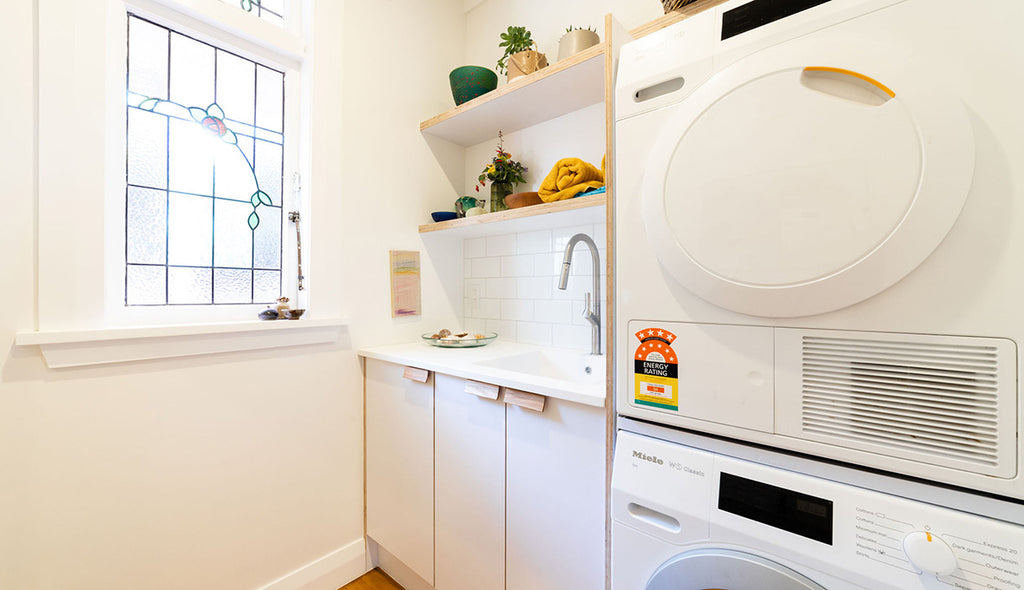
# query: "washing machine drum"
{"points": [[796, 182], [725, 569]]}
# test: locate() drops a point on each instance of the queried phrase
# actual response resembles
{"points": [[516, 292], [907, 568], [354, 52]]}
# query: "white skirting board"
{"points": [[330, 572]]}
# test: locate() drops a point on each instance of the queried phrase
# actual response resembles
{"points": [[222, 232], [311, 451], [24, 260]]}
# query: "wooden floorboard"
{"points": [[373, 580]]}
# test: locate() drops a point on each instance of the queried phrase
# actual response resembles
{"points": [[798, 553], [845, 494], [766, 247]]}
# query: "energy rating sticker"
{"points": [[656, 370]]}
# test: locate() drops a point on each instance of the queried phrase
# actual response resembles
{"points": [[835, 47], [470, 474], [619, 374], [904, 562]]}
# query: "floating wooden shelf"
{"points": [[561, 88], [481, 222]]}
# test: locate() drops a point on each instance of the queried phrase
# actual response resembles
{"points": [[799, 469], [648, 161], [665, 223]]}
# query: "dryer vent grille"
{"points": [[936, 402]]}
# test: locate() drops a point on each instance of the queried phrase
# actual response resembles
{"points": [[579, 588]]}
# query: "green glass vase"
{"points": [[500, 190]]}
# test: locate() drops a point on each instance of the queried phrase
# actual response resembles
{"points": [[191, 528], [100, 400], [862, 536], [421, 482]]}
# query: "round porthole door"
{"points": [[806, 178], [725, 569]]}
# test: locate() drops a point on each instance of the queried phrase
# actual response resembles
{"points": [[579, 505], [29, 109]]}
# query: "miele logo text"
{"points": [[646, 457]]}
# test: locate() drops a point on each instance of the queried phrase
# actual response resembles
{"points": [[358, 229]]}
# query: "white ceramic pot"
{"points": [[475, 211], [576, 41]]}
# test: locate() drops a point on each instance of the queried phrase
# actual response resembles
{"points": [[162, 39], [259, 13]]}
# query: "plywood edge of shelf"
{"points": [[522, 82], [674, 17], [542, 209]]}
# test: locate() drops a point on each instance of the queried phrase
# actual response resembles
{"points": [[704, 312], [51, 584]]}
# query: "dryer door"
{"points": [[725, 569], [807, 177]]}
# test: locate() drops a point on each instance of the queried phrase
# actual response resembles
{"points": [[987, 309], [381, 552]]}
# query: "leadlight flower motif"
{"points": [[248, 4], [212, 120]]}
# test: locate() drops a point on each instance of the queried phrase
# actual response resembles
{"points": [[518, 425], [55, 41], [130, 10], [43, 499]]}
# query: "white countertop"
{"points": [[463, 362]]}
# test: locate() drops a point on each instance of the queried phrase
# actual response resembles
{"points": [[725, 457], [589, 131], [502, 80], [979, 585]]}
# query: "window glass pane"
{"points": [[236, 87], [147, 149], [269, 168], [232, 286], [266, 286], [189, 285], [147, 226], [190, 167], [192, 72], [190, 230], [233, 178], [146, 285], [267, 239], [147, 72], [204, 196], [232, 237], [269, 85]]}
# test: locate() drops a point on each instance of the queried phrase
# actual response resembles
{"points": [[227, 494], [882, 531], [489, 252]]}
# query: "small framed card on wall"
{"points": [[405, 283]]}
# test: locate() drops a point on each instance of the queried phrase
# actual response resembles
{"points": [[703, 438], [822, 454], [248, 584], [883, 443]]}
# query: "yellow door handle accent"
{"points": [[857, 75]]}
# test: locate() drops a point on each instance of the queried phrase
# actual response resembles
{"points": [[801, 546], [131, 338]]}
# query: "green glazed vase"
{"points": [[500, 190], [469, 82]]}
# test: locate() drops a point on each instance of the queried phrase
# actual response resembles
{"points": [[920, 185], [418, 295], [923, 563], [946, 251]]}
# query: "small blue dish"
{"points": [[443, 215]]}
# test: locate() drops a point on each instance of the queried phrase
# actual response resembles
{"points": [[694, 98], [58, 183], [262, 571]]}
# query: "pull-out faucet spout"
{"points": [[591, 315]]}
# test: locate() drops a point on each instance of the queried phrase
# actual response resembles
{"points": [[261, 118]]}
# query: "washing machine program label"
{"points": [[656, 370]]}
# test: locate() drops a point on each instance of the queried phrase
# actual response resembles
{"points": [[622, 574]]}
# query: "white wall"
{"points": [[225, 471]]}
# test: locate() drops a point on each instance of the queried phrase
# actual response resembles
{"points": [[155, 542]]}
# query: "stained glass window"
{"points": [[268, 10], [205, 162]]}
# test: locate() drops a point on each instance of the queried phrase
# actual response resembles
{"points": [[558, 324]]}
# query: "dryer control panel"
{"points": [[692, 499]]}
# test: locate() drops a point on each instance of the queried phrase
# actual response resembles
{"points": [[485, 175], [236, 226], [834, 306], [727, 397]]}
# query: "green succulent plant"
{"points": [[572, 28], [516, 39]]}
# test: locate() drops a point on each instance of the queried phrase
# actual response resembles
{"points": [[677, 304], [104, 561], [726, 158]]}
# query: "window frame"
{"points": [[82, 94]]}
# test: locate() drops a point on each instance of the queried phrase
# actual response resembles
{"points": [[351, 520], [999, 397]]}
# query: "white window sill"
{"points": [[119, 345]]}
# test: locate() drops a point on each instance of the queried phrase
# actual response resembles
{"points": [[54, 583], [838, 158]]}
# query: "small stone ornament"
{"points": [[268, 314]]}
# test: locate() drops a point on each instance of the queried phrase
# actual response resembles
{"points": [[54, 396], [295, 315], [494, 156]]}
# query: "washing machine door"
{"points": [[725, 569], [807, 177]]}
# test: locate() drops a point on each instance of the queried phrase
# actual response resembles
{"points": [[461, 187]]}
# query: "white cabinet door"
{"points": [[556, 490], [400, 465], [469, 482]]}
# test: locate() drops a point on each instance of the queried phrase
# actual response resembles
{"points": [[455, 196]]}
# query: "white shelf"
{"points": [[569, 85], [579, 210], [74, 348]]}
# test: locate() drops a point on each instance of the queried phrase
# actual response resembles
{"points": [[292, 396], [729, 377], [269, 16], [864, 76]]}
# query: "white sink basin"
{"points": [[551, 364]]}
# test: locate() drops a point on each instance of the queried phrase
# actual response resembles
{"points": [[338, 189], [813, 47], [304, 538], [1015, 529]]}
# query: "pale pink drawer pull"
{"points": [[523, 399], [414, 374], [485, 390]]}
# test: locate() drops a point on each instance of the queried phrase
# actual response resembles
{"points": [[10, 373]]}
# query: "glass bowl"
{"points": [[467, 342]]}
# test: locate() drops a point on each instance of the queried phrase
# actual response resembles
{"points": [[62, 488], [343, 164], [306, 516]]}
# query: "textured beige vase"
{"points": [[525, 62], [576, 41]]}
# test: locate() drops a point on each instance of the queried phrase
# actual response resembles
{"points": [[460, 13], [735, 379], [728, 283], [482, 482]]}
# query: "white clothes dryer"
{"points": [[819, 232], [693, 513]]}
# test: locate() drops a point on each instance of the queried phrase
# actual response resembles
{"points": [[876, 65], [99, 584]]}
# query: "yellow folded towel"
{"points": [[568, 178]]}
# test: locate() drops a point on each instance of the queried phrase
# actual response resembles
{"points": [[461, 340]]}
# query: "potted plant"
{"points": [[576, 40], [503, 172], [520, 58]]}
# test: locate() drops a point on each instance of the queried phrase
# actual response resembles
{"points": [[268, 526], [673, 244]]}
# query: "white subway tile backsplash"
{"points": [[504, 245], [579, 337], [489, 309], [467, 268], [473, 288], [476, 326], [517, 309], [517, 266], [553, 312], [534, 333], [505, 329], [535, 287], [547, 265], [534, 242], [474, 247], [560, 237], [500, 288], [511, 286], [485, 268]]}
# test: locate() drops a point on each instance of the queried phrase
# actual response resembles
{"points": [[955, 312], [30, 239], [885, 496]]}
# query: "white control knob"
{"points": [[929, 553]]}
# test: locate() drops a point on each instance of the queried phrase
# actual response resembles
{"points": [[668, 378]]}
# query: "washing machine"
{"points": [[690, 512], [819, 232]]}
